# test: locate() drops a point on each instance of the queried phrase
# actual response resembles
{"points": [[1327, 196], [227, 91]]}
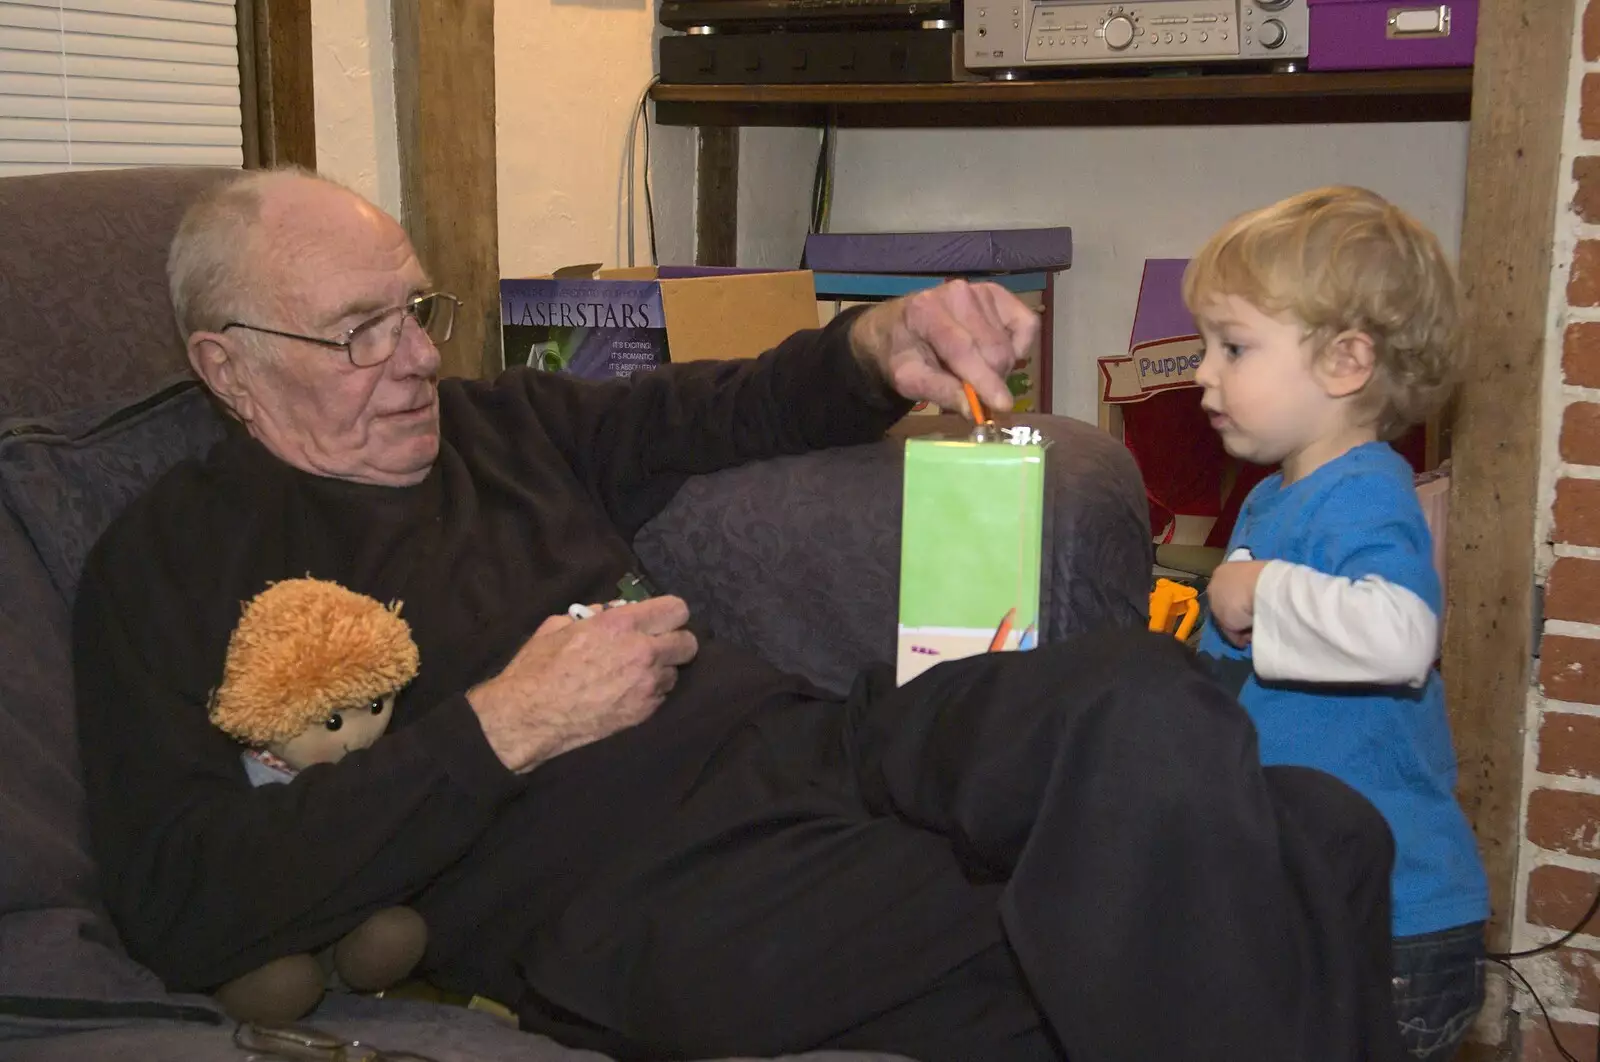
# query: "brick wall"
{"points": [[1560, 865]]}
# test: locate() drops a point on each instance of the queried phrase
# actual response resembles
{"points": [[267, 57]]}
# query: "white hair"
{"points": [[212, 263]]}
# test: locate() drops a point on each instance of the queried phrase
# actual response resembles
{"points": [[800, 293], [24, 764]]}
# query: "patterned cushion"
{"points": [[62, 480], [83, 279], [444, 1034], [66, 477]]}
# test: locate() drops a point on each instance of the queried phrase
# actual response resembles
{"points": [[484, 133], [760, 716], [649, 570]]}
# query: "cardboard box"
{"points": [[1164, 349], [1150, 400], [971, 537], [607, 323]]}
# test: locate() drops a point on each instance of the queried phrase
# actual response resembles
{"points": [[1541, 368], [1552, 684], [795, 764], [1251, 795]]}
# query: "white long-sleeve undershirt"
{"points": [[1313, 627]]}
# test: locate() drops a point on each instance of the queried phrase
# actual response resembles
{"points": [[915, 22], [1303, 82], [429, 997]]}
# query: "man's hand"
{"points": [[575, 682], [925, 345], [1232, 596]]}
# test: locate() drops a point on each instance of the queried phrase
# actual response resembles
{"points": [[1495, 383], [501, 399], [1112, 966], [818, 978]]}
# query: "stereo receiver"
{"points": [[1010, 38]]}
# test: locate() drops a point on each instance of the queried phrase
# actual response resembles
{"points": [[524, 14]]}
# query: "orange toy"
{"points": [[1174, 609]]}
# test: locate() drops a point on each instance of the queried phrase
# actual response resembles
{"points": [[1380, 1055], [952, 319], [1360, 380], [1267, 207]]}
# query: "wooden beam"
{"points": [[1518, 99], [444, 103], [716, 218], [277, 93]]}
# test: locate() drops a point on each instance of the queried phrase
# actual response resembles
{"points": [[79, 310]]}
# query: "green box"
{"points": [[971, 537]]}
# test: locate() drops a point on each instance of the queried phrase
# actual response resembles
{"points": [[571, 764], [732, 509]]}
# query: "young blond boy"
{"points": [[1330, 322]]}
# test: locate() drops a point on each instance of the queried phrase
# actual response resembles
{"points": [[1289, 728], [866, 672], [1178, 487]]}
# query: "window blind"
{"points": [[108, 83]]}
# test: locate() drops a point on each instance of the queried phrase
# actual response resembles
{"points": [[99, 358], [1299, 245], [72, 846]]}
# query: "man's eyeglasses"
{"points": [[300, 1043], [374, 341]]}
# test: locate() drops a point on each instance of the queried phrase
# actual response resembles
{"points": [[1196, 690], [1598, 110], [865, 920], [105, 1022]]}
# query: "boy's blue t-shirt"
{"points": [[1356, 516]]}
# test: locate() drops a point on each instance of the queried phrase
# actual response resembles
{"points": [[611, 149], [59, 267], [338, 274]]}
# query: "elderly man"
{"points": [[644, 840]]}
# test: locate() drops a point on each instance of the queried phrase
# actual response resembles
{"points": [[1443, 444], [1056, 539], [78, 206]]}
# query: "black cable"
{"points": [[1505, 959], [816, 183], [640, 116], [1568, 1055], [831, 149], [649, 199], [828, 178], [1554, 945], [822, 181]]}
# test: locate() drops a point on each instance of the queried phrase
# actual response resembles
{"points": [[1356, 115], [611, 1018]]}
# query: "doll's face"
{"points": [[344, 731]]}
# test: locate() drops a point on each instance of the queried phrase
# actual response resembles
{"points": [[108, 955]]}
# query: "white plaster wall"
{"points": [[1129, 194], [562, 118], [352, 45], [776, 168], [568, 75]]}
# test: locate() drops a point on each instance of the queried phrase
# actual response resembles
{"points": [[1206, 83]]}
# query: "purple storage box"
{"points": [[1383, 34]]}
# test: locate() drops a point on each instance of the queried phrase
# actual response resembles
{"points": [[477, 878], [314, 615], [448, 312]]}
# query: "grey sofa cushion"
{"points": [[444, 1035], [799, 558], [83, 280], [65, 477], [194, 1031]]}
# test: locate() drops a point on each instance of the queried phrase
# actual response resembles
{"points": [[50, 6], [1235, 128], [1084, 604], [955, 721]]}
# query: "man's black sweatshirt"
{"points": [[540, 484]]}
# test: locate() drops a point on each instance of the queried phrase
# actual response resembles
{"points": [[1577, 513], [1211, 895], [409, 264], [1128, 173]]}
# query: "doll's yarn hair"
{"points": [[305, 649]]}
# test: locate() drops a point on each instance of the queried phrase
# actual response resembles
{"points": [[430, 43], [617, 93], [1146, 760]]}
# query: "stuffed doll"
{"points": [[311, 674]]}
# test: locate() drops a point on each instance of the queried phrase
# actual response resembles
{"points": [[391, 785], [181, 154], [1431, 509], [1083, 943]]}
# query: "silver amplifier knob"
{"points": [[1273, 33], [1119, 32], [1272, 5]]}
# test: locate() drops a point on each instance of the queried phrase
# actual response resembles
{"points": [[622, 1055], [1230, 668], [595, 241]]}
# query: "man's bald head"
{"points": [[307, 271], [225, 260]]}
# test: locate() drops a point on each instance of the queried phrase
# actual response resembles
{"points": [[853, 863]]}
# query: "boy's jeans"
{"points": [[1438, 989]]}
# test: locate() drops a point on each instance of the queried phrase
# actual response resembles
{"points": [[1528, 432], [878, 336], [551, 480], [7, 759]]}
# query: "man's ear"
{"points": [[1346, 365], [217, 361]]}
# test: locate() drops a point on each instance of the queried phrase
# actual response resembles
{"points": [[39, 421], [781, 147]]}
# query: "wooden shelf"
{"points": [[1205, 99]]}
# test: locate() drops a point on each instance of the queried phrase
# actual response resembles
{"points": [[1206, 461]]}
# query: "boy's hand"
{"points": [[1232, 596]]}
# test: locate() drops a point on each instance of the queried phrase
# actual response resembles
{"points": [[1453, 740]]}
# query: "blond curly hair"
{"points": [[1344, 259]]}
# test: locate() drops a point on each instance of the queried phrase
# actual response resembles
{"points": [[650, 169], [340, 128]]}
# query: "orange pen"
{"points": [[1002, 632], [973, 405]]}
